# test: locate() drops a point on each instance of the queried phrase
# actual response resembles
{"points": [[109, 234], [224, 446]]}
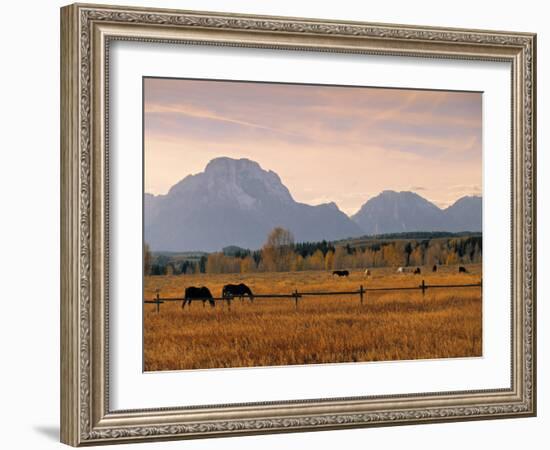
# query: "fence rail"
{"points": [[362, 292]]}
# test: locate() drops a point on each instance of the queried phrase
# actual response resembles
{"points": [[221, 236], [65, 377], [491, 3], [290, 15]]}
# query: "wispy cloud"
{"points": [[203, 113]]}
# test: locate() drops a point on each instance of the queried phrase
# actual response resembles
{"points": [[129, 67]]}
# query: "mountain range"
{"points": [[236, 202]]}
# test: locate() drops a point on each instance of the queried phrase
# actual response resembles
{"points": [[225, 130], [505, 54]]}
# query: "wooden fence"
{"points": [[362, 292]]}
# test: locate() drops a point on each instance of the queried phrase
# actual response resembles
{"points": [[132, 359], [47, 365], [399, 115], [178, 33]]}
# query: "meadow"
{"points": [[390, 325]]}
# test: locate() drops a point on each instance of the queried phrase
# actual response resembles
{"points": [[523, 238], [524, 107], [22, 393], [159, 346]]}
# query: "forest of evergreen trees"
{"points": [[281, 254]]}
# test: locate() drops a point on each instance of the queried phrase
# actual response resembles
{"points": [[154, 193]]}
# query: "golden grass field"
{"points": [[393, 325]]}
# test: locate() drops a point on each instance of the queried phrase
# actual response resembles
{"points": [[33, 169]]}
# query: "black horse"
{"points": [[417, 271], [462, 269], [341, 273], [198, 293], [434, 268], [237, 290]]}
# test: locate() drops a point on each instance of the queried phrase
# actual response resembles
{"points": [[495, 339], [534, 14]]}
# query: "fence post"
{"points": [[423, 287], [361, 291], [296, 298], [158, 300]]}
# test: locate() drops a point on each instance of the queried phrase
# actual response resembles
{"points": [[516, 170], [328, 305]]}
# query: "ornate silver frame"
{"points": [[86, 31]]}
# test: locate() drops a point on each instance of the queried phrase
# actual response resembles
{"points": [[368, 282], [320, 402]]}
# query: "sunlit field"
{"points": [[390, 325]]}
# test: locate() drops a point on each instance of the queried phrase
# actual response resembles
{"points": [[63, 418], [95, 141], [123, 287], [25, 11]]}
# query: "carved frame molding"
{"points": [[86, 32]]}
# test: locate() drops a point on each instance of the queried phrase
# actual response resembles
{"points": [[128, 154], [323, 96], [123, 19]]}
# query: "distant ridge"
{"points": [[415, 235]]}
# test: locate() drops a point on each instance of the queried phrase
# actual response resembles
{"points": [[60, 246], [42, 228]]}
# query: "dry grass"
{"points": [[394, 325]]}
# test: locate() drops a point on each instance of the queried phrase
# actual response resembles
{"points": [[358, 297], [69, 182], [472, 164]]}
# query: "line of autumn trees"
{"points": [[281, 254]]}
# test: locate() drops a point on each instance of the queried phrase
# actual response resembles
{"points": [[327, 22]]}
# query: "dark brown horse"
{"points": [[241, 290], [198, 293], [341, 273]]}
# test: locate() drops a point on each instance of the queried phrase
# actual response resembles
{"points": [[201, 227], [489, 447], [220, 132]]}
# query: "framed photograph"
{"points": [[275, 224]]}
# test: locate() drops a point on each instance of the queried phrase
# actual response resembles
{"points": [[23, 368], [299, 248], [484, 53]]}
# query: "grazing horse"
{"points": [[462, 269], [367, 273], [401, 270], [237, 290], [341, 273], [434, 268], [198, 293], [417, 271]]}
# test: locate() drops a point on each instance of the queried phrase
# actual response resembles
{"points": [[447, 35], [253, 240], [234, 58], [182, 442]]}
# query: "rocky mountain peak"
{"points": [[236, 202]]}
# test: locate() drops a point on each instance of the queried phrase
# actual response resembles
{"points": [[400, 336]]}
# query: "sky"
{"points": [[327, 143]]}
